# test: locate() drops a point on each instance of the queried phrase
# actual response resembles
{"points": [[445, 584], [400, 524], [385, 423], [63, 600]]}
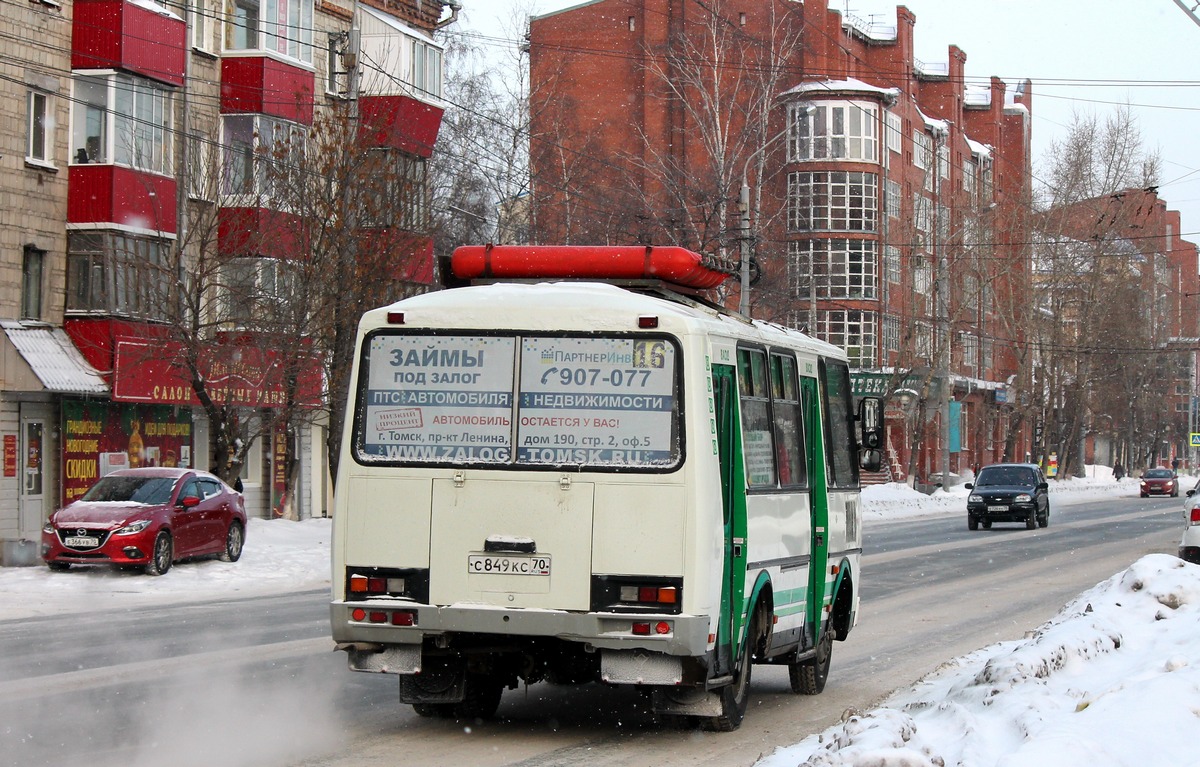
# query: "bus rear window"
{"points": [[521, 400]]}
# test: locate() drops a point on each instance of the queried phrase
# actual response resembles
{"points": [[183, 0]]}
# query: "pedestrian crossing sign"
{"points": [[1195, 439]]}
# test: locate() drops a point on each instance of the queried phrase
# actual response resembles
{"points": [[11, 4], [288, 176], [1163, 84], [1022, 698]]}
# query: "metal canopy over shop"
{"points": [[52, 358]]}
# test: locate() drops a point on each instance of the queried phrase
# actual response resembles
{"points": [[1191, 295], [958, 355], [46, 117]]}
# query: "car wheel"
{"points": [[972, 523], [808, 677], [1031, 522], [234, 539], [163, 555], [1145, 495], [987, 524], [59, 567], [1044, 520]]}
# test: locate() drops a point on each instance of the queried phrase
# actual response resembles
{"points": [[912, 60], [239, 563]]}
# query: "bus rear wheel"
{"points": [[735, 697], [808, 676]]}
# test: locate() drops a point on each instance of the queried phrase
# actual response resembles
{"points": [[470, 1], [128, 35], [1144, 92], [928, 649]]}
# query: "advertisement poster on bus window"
{"points": [[597, 401], [439, 398]]}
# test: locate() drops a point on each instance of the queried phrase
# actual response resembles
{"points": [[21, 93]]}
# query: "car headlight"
{"points": [[133, 527], [1023, 498], [48, 527], [974, 499]]}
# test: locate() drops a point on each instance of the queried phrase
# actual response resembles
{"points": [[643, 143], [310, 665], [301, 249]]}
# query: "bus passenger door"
{"points": [[733, 506], [819, 507]]}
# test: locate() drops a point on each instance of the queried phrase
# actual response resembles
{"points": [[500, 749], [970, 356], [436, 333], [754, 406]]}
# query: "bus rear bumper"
{"points": [[679, 635]]}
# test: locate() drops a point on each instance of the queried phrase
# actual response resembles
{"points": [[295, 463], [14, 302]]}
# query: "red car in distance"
{"points": [[149, 517], [1160, 482]]}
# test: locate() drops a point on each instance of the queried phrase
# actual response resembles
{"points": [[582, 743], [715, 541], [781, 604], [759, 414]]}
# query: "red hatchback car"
{"points": [[1160, 482], [149, 517]]}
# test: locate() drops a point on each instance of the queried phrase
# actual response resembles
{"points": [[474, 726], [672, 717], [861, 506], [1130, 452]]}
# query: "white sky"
{"points": [[1082, 55], [1065, 695]]}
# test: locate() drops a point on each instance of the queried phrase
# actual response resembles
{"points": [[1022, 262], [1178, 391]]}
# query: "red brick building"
{"points": [[888, 199], [1137, 301], [126, 119]]}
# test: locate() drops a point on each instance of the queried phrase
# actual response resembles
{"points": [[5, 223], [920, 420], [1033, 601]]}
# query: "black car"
{"points": [[1008, 492]]}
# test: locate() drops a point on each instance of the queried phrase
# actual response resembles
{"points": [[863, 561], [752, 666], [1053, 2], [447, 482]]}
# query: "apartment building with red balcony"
{"points": [[127, 120], [886, 194]]}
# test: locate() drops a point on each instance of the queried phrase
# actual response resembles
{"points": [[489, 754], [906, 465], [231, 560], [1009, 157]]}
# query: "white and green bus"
{"points": [[579, 481]]}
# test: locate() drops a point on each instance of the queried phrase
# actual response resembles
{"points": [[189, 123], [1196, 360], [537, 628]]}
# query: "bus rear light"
{"points": [[395, 318], [404, 618], [362, 584], [396, 618], [647, 321], [1195, 517], [641, 629], [662, 627], [663, 595]]}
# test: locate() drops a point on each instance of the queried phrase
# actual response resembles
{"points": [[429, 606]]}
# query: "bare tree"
{"points": [[1086, 262]]}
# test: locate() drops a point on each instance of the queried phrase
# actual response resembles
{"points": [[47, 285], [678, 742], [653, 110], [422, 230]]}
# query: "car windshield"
{"points": [[1159, 474], [1006, 475], [152, 490]]}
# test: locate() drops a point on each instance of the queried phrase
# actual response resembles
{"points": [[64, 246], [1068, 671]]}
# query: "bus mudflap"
{"points": [[385, 659], [442, 680]]}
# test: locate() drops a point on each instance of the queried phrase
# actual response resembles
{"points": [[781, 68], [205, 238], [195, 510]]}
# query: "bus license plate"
{"points": [[81, 541], [997, 508], [508, 564]]}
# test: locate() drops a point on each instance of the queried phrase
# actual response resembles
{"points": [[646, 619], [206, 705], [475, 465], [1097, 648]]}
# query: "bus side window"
{"points": [[789, 423], [841, 445], [757, 437]]}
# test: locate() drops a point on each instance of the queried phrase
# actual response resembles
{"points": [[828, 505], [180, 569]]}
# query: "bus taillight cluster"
{"points": [[394, 617]]}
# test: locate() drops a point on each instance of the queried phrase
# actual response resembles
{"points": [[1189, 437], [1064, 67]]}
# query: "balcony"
{"points": [[143, 38]]}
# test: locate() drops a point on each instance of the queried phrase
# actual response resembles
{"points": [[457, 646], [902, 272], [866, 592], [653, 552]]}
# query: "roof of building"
{"points": [[53, 358]]}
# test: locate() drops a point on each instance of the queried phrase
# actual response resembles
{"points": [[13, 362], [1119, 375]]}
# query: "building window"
{"points": [[279, 26], [891, 200], [337, 80], [922, 273], [39, 130], [261, 155], [396, 191], [125, 118], [835, 200], [970, 291], [200, 166], [944, 160], [199, 16], [895, 131], [253, 290], [922, 150], [31, 283], [970, 350], [841, 269], [922, 213], [891, 333], [970, 170], [852, 331], [833, 132], [117, 274], [425, 72], [891, 263], [923, 341]]}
